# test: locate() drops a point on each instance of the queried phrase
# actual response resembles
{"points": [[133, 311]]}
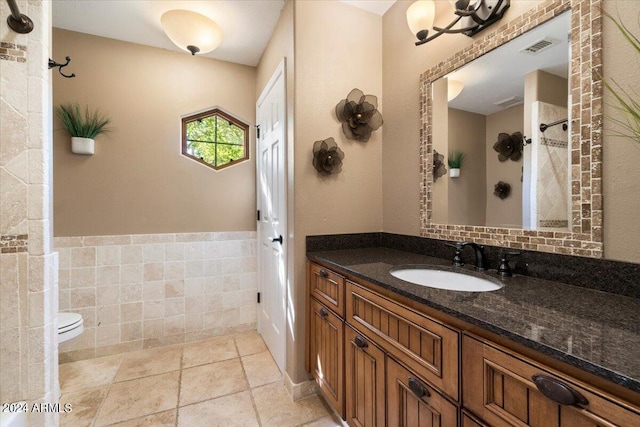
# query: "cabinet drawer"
{"points": [[326, 352], [327, 287], [499, 388], [413, 403], [425, 346]]}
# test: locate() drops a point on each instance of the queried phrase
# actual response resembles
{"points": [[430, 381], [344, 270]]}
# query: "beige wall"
{"points": [[507, 212], [621, 168], [402, 65], [403, 62], [337, 48], [441, 145], [138, 181], [467, 194]]}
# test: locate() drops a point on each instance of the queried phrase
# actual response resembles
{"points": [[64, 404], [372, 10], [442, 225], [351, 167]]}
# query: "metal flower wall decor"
{"points": [[327, 157], [359, 115], [438, 165], [502, 190], [509, 146]]}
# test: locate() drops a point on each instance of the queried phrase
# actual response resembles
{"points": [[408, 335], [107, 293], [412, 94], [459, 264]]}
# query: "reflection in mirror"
{"points": [[484, 109]]}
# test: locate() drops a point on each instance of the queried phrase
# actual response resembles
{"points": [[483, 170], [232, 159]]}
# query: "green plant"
{"points": [[87, 125], [455, 160], [625, 103]]}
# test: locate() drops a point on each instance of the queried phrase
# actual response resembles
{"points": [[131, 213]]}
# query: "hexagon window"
{"points": [[215, 138]]}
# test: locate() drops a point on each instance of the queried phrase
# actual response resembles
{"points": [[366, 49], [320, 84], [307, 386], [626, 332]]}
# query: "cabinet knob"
{"points": [[360, 342], [324, 273], [417, 388], [323, 313], [558, 391]]}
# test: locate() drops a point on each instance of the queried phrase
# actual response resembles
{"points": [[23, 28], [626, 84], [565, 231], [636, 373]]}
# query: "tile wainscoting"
{"points": [[140, 291]]}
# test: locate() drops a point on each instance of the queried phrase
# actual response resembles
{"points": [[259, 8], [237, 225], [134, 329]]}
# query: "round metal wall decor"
{"points": [[502, 190], [509, 146], [327, 157], [359, 115]]}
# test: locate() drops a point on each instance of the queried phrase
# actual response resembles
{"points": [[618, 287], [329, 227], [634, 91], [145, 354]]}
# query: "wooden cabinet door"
{"points": [[364, 381], [411, 403], [500, 388], [326, 351]]}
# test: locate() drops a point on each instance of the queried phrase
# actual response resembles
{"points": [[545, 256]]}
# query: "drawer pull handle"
{"points": [[417, 388], [558, 391], [323, 313], [324, 274], [360, 342]]}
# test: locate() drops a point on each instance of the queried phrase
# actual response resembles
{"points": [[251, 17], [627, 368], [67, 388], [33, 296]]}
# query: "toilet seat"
{"points": [[70, 325]]}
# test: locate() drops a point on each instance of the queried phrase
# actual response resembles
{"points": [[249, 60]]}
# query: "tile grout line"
{"points": [[179, 385], [95, 417], [244, 372]]}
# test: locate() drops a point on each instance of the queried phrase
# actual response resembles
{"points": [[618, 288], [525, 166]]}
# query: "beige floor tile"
{"points": [[88, 373], [233, 410], [152, 361], [276, 409], [209, 381], [261, 369], [136, 398], [249, 343], [209, 351], [162, 419], [325, 422], [84, 406]]}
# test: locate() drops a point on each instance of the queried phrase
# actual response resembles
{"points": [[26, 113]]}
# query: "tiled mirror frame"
{"points": [[585, 239]]}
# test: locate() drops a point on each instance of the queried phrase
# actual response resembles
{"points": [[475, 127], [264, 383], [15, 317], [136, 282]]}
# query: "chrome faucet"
{"points": [[481, 262]]}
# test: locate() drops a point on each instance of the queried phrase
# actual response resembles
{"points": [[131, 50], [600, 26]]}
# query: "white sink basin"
{"points": [[444, 279]]}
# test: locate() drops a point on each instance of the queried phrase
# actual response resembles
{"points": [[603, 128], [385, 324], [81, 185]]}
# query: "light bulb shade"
{"points": [[454, 87], [420, 15], [189, 30]]}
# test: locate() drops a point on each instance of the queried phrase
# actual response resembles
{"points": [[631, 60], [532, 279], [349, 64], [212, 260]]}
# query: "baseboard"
{"points": [[301, 390]]}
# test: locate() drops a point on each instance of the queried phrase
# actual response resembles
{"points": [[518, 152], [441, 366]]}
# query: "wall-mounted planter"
{"points": [[454, 172], [82, 145]]}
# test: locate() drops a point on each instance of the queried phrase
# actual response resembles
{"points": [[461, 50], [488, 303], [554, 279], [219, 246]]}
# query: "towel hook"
{"points": [[53, 64]]}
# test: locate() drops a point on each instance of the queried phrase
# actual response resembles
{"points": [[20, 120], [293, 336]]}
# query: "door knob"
{"points": [[360, 342], [277, 239]]}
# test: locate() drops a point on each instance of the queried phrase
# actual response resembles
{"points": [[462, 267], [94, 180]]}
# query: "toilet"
{"points": [[70, 325]]}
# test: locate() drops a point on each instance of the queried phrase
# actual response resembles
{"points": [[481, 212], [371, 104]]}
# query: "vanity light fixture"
{"points": [[473, 16], [191, 31]]}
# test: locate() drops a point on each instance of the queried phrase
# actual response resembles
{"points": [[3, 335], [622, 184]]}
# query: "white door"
{"points": [[272, 207]]}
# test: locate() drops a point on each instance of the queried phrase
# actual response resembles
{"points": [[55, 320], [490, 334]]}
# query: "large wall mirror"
{"points": [[524, 105]]}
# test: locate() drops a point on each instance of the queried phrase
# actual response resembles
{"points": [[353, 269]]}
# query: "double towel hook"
{"points": [[53, 64]]}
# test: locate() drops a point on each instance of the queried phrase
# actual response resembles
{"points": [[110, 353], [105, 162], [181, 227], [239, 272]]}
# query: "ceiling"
{"points": [[247, 25], [499, 74], [379, 7]]}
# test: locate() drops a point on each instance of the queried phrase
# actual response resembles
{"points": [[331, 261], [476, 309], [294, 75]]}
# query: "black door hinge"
{"points": [[258, 215], [258, 297], [258, 131]]}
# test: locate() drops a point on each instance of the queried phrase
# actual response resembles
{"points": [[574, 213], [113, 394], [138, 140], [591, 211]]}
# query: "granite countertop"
{"points": [[596, 331]]}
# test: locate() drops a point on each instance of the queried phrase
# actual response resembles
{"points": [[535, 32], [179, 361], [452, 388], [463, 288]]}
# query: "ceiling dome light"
{"points": [[454, 87], [191, 31]]}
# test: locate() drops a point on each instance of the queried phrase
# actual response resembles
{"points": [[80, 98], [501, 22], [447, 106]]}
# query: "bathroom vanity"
{"points": [[533, 353]]}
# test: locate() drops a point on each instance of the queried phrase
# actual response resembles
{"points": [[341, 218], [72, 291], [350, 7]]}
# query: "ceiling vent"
{"points": [[509, 102], [540, 45]]}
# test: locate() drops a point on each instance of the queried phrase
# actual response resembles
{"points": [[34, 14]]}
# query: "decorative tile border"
{"points": [[13, 52], [10, 244], [586, 138]]}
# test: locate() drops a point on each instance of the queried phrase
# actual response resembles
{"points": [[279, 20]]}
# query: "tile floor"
{"points": [[223, 381]]}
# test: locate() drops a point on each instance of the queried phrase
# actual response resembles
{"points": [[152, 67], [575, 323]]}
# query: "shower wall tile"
{"points": [[146, 290], [28, 268]]}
